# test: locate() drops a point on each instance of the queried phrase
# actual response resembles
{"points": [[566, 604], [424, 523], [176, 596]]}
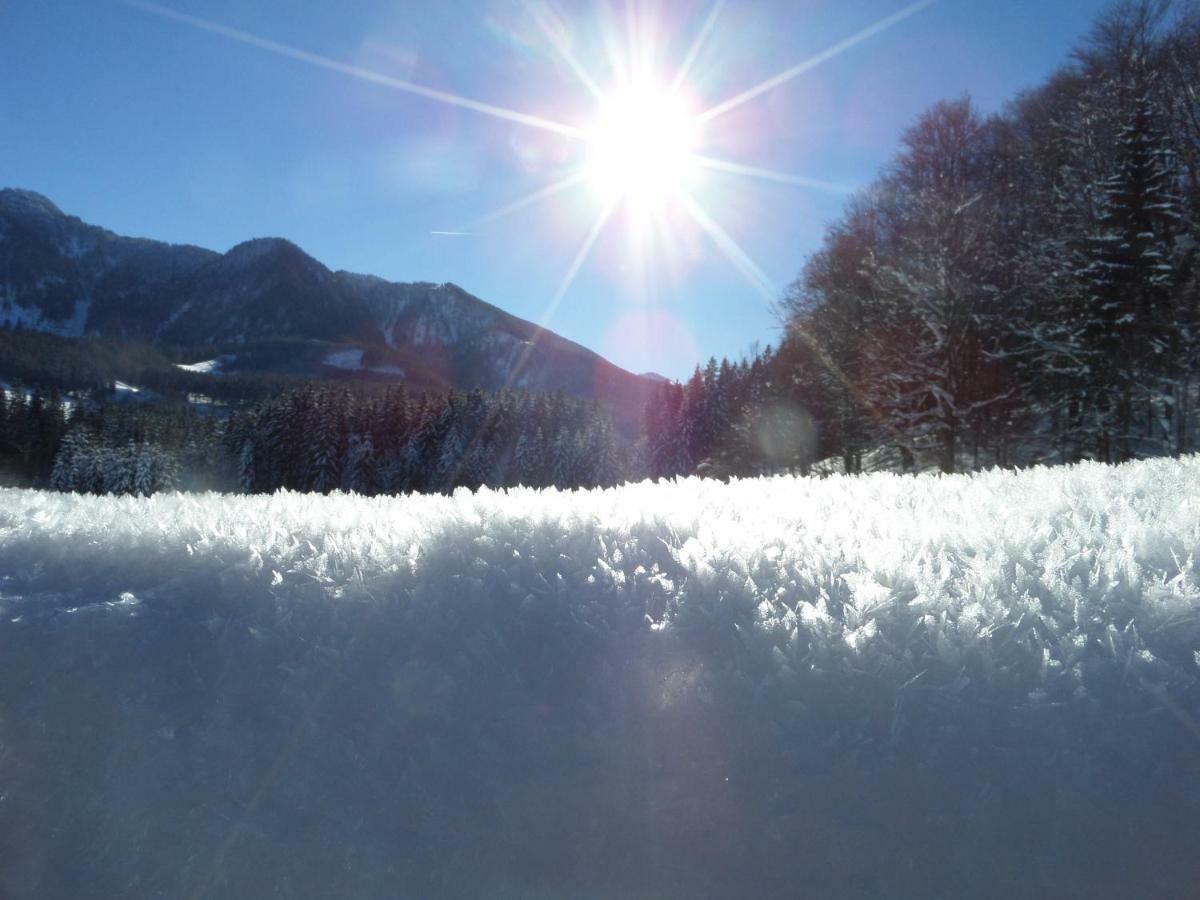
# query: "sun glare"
{"points": [[641, 146], [641, 154]]}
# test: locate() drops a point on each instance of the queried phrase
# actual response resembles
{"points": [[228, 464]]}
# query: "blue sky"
{"points": [[156, 128]]}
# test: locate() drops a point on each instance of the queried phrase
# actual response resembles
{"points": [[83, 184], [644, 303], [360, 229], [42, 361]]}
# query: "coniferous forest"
{"points": [[1013, 289]]}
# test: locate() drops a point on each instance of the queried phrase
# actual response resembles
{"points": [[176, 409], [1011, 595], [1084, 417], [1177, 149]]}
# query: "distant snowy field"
{"points": [[874, 686]]}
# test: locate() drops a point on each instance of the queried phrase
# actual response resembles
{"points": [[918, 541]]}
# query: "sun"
{"points": [[641, 147]]}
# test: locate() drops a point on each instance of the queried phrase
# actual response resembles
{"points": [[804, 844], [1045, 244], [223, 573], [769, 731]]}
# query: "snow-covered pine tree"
{"points": [[360, 474], [395, 422], [530, 458], [74, 464], [289, 437], [118, 469], [603, 456], [326, 442], [564, 459], [154, 469]]}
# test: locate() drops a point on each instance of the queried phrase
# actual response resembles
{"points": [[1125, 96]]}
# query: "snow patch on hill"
{"points": [[351, 359], [207, 366], [14, 315]]}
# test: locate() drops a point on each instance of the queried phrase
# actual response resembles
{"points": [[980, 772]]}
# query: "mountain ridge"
{"points": [[62, 275]]}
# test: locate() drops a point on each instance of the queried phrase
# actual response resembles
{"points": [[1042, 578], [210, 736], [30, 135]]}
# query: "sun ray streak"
{"points": [[577, 263], [812, 62], [565, 285], [334, 65], [529, 199], [722, 165], [547, 22], [697, 45], [741, 261], [516, 370]]}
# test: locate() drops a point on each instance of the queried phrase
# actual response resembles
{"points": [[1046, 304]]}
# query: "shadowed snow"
{"points": [[657, 688]]}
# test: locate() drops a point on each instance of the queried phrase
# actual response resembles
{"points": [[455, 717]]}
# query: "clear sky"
{"points": [[134, 119]]}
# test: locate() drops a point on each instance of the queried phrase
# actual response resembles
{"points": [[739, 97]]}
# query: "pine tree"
{"points": [[694, 434], [326, 442], [153, 470], [530, 459], [74, 463], [360, 473], [565, 460]]}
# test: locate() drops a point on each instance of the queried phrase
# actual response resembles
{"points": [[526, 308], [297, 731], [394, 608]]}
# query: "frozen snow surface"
{"points": [[878, 686]]}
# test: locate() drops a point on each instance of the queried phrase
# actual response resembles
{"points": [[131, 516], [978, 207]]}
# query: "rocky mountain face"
{"points": [[61, 275]]}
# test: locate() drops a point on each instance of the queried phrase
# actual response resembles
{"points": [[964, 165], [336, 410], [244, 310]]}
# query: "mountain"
{"points": [[266, 305]]}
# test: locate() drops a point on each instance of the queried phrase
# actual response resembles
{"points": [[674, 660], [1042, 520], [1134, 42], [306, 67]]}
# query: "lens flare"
{"points": [[641, 147]]}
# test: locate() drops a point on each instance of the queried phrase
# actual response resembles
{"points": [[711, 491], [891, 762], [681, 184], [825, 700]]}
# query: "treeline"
{"points": [[731, 419], [324, 439], [135, 448], [32, 426], [1014, 289], [91, 365]]}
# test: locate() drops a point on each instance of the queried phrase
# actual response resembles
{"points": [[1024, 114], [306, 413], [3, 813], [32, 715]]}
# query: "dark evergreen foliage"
{"points": [[314, 439]]}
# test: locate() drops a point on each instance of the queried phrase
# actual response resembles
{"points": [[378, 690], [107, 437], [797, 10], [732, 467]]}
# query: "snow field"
{"points": [[939, 686]]}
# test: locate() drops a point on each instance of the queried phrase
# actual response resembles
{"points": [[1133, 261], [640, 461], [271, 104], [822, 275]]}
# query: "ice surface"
{"points": [[936, 686]]}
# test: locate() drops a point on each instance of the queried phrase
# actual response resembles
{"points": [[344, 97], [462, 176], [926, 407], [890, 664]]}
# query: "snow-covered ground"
{"points": [[207, 366], [345, 359], [14, 315], [352, 360], [937, 686]]}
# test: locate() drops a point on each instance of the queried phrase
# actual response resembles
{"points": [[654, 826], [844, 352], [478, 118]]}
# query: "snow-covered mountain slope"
{"points": [[61, 275], [878, 686]]}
